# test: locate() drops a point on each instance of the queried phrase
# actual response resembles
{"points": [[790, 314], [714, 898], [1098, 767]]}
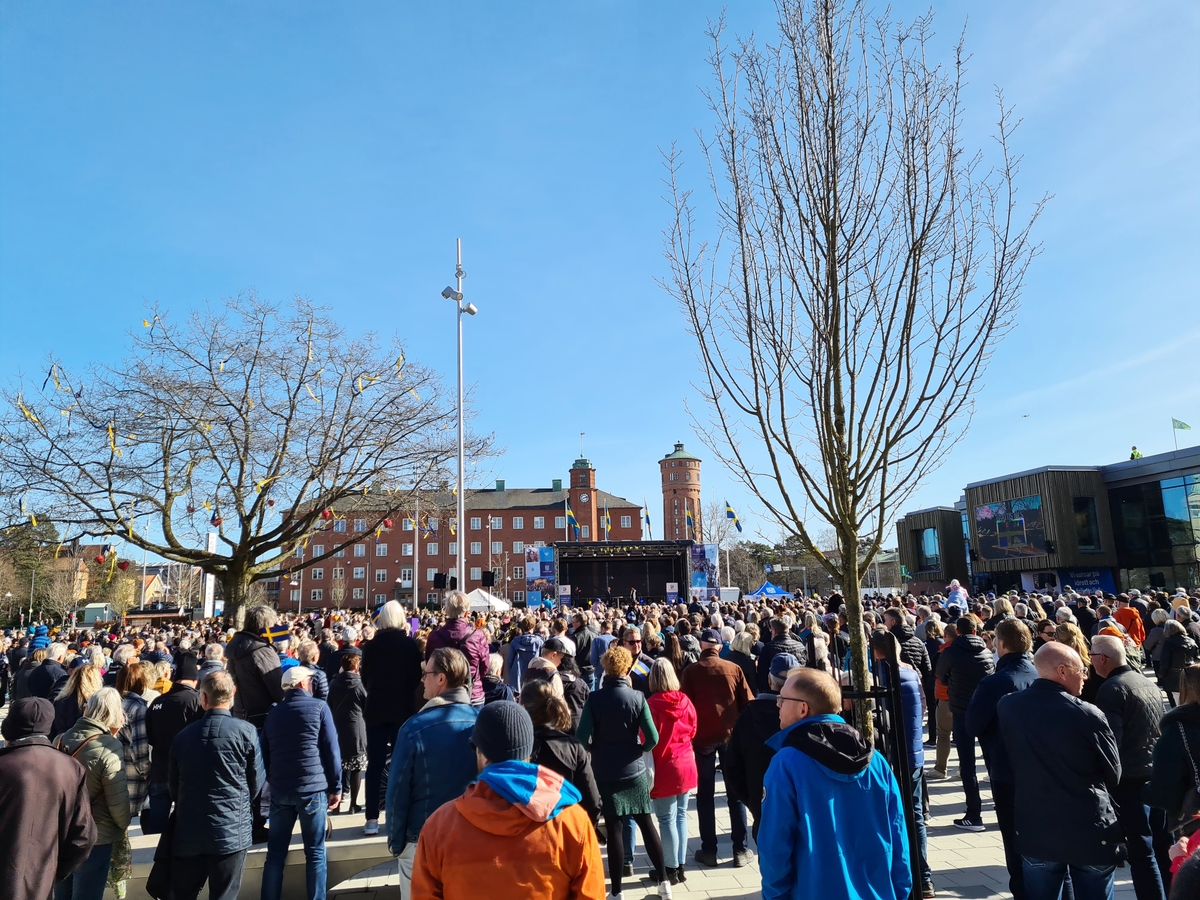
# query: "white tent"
{"points": [[482, 601]]}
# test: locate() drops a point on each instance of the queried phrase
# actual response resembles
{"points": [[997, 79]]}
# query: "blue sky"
{"points": [[178, 153]]}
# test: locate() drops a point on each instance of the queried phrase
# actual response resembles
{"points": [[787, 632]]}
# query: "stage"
{"points": [[600, 569]]}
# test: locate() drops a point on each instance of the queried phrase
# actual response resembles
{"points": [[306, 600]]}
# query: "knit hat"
{"points": [[188, 668], [503, 731], [35, 715]]}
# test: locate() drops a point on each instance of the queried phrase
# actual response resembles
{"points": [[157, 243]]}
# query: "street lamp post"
{"points": [[456, 294]]}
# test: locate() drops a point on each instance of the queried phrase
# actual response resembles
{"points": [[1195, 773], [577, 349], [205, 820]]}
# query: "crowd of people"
{"points": [[499, 752]]}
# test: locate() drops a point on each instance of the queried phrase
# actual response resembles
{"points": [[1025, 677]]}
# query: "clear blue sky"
{"points": [[180, 152]]}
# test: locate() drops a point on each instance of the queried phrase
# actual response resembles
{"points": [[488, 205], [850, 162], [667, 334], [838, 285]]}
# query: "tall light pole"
{"points": [[456, 294]]}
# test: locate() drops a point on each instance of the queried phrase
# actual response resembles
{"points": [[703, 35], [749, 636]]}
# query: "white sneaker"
{"points": [[935, 775], [614, 897], [372, 827], [664, 890]]}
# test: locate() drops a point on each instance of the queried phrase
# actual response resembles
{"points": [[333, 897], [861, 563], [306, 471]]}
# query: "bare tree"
{"points": [[861, 270], [337, 592], [61, 593], [251, 421]]}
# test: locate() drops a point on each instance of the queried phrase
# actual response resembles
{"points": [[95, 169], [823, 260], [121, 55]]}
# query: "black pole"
{"points": [[896, 737]]}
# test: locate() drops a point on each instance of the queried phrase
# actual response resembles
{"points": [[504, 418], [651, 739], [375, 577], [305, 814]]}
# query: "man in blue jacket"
{"points": [[833, 818], [304, 770], [433, 762], [1014, 672]]}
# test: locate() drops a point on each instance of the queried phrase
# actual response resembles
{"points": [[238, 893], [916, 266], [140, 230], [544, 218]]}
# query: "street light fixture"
{"points": [[456, 294]]}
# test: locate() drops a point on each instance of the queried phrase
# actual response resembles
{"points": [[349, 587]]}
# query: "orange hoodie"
{"points": [[1131, 621], [483, 846]]}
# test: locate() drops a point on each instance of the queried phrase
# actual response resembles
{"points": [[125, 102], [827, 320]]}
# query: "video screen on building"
{"points": [[1011, 529]]}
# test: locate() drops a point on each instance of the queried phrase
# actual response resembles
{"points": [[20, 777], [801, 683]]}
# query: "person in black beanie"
{"points": [[46, 823], [557, 857]]}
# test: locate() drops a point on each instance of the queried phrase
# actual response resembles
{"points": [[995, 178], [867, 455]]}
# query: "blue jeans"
{"points": [[965, 744], [1134, 817], [285, 807], [154, 818], [89, 880], [918, 799], [1044, 880], [628, 837], [672, 825]]}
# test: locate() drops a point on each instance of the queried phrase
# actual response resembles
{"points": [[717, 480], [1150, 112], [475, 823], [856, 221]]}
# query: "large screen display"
{"points": [[1011, 529]]}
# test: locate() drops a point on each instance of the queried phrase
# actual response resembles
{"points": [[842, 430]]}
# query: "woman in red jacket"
{"points": [[674, 763]]}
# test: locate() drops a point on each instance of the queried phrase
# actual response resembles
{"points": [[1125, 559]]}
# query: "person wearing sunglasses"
{"points": [[831, 825]]}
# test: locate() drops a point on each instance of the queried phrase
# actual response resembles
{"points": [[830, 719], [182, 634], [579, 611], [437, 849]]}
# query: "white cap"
{"points": [[295, 676]]}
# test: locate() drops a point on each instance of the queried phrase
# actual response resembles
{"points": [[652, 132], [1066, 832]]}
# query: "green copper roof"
{"points": [[680, 453], [582, 463]]}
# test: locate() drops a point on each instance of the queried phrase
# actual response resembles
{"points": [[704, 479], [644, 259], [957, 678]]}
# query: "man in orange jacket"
{"points": [[518, 832], [1131, 620]]}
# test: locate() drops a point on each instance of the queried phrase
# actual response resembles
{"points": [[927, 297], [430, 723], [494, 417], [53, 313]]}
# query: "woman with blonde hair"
{"points": [[83, 682], [1068, 633], [132, 683], [92, 742], [612, 719]]}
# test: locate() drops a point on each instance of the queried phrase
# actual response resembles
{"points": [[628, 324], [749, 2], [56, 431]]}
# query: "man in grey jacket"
{"points": [[1133, 706]]}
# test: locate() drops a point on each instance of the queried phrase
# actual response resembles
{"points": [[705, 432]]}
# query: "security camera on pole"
{"points": [[456, 295]]}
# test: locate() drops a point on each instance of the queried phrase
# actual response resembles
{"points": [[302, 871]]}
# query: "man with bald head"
{"points": [[1067, 768]]}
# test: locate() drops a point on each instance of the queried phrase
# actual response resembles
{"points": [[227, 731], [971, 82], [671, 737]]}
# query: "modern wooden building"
{"points": [[933, 549]]}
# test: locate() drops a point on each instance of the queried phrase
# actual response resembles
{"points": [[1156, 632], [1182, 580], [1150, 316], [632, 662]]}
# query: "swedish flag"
{"points": [[572, 521], [687, 518], [730, 514], [607, 520], [646, 513]]}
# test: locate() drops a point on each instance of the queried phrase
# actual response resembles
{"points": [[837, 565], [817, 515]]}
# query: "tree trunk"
{"points": [[860, 670], [235, 582]]}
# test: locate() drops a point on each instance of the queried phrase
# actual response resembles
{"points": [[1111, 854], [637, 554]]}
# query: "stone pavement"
{"points": [[965, 865]]}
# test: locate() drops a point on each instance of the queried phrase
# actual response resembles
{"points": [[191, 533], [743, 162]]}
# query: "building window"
{"points": [[360, 572], [381, 598], [518, 596], [1087, 525], [360, 550], [406, 525], [476, 523], [433, 524], [431, 549], [476, 573], [429, 573], [339, 525], [318, 550], [358, 593], [672, 476], [295, 595], [518, 546], [626, 521], [452, 548], [539, 522], [497, 546], [339, 573], [518, 573], [476, 547], [453, 524], [406, 549], [560, 521], [380, 576], [585, 531], [381, 549], [316, 595], [497, 522], [431, 597], [339, 553], [927, 550], [360, 524], [518, 522], [317, 574], [299, 552], [406, 575]]}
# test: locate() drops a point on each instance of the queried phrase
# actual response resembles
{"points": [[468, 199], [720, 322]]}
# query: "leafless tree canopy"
{"points": [[854, 273], [251, 421]]}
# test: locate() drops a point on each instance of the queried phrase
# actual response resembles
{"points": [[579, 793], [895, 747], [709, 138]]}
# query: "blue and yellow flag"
{"points": [[730, 514], [607, 520], [687, 518], [646, 513], [572, 521]]}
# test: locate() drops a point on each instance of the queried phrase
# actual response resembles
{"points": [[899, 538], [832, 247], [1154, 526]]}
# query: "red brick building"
{"points": [[680, 472], [501, 522]]}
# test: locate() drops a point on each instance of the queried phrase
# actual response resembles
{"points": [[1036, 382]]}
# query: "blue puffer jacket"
{"points": [[833, 818], [215, 770], [41, 638], [432, 763], [299, 746], [913, 715]]}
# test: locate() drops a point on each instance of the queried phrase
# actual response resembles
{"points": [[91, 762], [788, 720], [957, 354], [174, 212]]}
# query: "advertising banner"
{"points": [[564, 595], [1087, 581], [704, 571], [672, 592], [1011, 529], [539, 576]]}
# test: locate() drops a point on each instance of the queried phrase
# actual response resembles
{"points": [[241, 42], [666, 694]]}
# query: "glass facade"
{"points": [[1157, 530], [928, 557]]}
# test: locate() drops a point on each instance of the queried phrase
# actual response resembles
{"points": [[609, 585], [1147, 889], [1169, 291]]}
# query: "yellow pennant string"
{"points": [[413, 391], [33, 520], [206, 505], [112, 441], [30, 416], [400, 366], [221, 367], [310, 393]]}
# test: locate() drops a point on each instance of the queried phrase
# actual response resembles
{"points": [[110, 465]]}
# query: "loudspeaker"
{"points": [[489, 578], [1049, 546], [439, 581], [453, 582]]}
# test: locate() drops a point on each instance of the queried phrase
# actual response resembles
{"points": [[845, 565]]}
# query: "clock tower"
{"points": [[582, 495]]}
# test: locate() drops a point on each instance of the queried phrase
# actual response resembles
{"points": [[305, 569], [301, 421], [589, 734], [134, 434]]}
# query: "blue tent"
{"points": [[769, 590]]}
